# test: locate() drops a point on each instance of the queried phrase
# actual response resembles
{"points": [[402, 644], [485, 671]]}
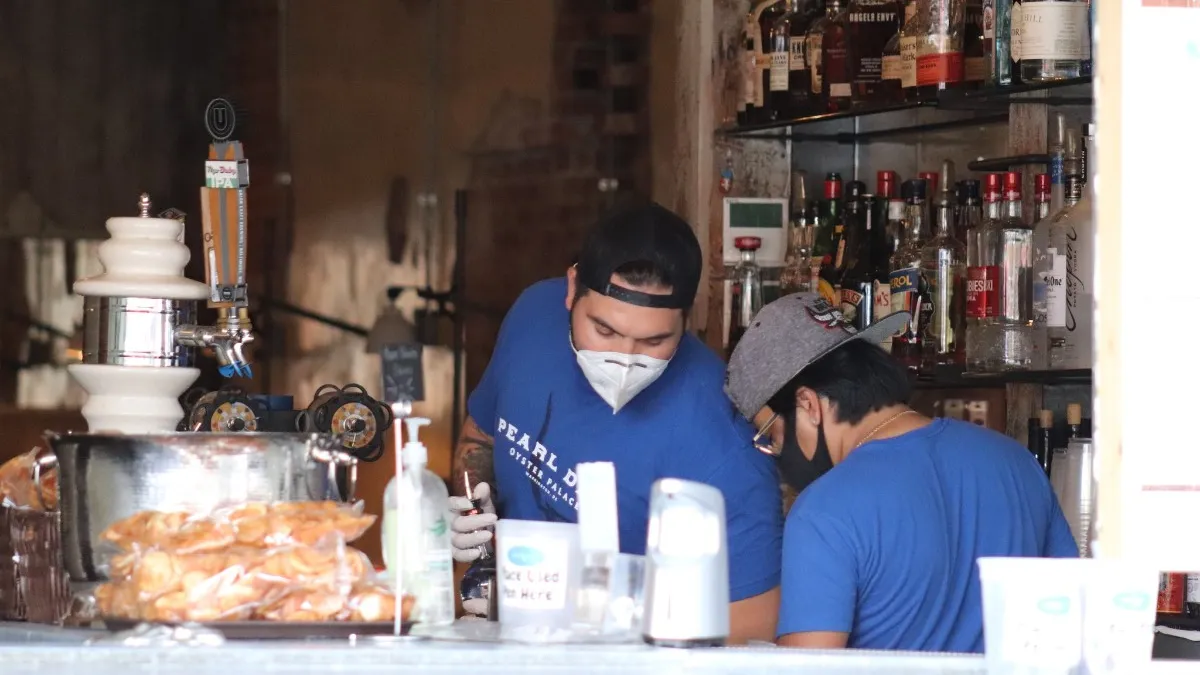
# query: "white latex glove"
{"points": [[470, 533]]}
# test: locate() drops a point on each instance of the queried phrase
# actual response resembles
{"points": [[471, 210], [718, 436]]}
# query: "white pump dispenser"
{"points": [[416, 511]]}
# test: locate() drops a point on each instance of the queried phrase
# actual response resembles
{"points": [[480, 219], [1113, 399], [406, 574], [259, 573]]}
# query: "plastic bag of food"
{"points": [[226, 585], [369, 602], [256, 524], [17, 487]]}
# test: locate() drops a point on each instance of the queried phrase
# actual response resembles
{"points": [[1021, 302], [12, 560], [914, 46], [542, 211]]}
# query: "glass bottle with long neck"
{"points": [[797, 273], [910, 36], [909, 292], [764, 15], [1055, 39], [1072, 241], [872, 24], [745, 291], [939, 59], [983, 273], [893, 63], [894, 238], [791, 78], [975, 68], [943, 266], [1042, 212], [829, 220], [970, 208], [813, 45], [836, 71], [857, 285]]}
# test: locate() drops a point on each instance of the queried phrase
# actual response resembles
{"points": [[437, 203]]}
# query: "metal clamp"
{"points": [[334, 457]]}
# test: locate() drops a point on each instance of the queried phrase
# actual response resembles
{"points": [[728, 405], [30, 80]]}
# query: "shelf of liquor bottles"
{"points": [[949, 109]]}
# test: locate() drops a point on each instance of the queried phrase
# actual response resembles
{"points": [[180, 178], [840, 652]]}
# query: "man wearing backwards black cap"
{"points": [[598, 366], [879, 549]]}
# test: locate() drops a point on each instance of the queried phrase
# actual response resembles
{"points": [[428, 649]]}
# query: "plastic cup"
{"points": [[1033, 614], [537, 569], [1119, 603]]}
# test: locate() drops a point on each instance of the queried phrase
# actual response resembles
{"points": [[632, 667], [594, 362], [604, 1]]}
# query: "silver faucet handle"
{"points": [[144, 206]]}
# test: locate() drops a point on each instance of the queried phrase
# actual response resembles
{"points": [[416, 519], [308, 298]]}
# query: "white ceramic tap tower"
{"points": [[144, 258]]}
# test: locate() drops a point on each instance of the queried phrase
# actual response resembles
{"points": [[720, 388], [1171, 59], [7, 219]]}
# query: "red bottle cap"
{"points": [[747, 243], [833, 186], [930, 177], [885, 184], [1012, 186], [1041, 185], [991, 187]]}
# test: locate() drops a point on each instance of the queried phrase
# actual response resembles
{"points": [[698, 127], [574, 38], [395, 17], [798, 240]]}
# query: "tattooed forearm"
{"points": [[473, 456]]}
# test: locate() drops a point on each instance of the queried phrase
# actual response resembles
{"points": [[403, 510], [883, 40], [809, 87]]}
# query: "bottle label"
{"points": [[1193, 588], [1056, 290], [841, 252], [892, 67], [908, 62], [1056, 168], [798, 59], [762, 64], [989, 24], [905, 292], [779, 71], [853, 304], [1052, 30], [870, 31], [813, 46], [835, 67], [938, 68], [749, 75], [883, 306], [983, 292], [974, 69]]}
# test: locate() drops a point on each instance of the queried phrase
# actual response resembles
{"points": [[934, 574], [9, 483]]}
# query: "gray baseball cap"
{"points": [[784, 338]]}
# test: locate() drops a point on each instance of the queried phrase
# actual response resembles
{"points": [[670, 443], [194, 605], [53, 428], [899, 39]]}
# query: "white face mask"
{"points": [[618, 377]]}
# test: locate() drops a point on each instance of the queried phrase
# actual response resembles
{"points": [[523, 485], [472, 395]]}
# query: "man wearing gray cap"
{"points": [[879, 549]]}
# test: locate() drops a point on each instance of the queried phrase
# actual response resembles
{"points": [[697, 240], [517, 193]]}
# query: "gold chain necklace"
{"points": [[886, 422]]}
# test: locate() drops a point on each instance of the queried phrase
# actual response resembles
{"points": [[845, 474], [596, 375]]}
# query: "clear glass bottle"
{"points": [[939, 60], [1071, 248], [1055, 39], [798, 270], [745, 290], [791, 78], [970, 208], [1041, 225], [909, 292], [895, 237], [944, 268], [1003, 70], [836, 71], [910, 37], [893, 63], [872, 23], [1000, 285]]}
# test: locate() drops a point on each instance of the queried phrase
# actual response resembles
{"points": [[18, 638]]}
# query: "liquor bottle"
{"points": [[848, 241], [1057, 150], [814, 46], [989, 43], [939, 54], [909, 292], [746, 290], [829, 219], [872, 24], [1071, 255], [1003, 71], [747, 108], [1055, 41], [1191, 603], [798, 271], [1041, 212], [857, 285], [886, 184], [1042, 439], [893, 63], [1074, 422], [970, 208], [763, 18], [836, 71], [943, 267], [895, 237], [910, 36], [975, 70], [999, 284], [791, 79]]}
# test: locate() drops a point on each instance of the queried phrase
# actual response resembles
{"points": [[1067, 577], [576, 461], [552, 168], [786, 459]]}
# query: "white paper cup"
{"points": [[1033, 614]]}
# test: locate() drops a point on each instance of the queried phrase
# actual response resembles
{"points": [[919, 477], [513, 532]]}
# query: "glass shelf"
{"points": [[953, 378], [993, 101]]}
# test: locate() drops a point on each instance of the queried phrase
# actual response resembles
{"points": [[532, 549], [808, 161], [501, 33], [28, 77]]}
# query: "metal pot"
{"points": [[105, 478]]}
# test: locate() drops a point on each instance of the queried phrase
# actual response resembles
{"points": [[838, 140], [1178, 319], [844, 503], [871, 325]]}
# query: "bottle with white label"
{"points": [[910, 35], [414, 516], [1055, 39], [1070, 279]]}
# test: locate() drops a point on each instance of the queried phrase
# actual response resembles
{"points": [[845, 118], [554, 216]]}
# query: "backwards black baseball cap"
{"points": [[647, 234]]}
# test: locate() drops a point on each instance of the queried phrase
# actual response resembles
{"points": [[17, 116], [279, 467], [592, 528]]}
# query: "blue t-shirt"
{"points": [[545, 417], [883, 547]]}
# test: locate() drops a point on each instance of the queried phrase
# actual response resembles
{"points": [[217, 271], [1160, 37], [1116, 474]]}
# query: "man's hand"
{"points": [[472, 533]]}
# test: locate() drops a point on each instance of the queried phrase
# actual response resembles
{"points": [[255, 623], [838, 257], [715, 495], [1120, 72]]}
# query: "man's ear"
{"points": [[571, 281], [809, 403]]}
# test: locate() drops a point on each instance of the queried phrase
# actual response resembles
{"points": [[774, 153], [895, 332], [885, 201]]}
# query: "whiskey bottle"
{"points": [[909, 292], [836, 70], [791, 78], [747, 109], [857, 285], [872, 24], [1055, 38], [939, 60], [975, 68], [829, 235], [910, 35], [943, 267], [762, 19], [893, 64], [895, 234]]}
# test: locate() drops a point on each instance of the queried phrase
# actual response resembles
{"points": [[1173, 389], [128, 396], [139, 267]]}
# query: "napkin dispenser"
{"points": [[687, 566]]}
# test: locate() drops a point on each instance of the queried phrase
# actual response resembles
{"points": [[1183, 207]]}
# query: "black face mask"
{"points": [[798, 470]]}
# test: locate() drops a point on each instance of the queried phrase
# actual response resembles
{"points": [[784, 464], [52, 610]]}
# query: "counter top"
{"points": [[34, 649]]}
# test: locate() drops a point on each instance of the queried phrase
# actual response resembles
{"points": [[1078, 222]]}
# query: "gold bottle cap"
{"points": [[1046, 418], [1074, 413]]}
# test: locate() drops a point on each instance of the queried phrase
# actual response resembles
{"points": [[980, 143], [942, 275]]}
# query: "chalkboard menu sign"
{"points": [[403, 378]]}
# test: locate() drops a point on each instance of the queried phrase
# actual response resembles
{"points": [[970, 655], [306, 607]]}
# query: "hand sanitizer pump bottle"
{"points": [[416, 511]]}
